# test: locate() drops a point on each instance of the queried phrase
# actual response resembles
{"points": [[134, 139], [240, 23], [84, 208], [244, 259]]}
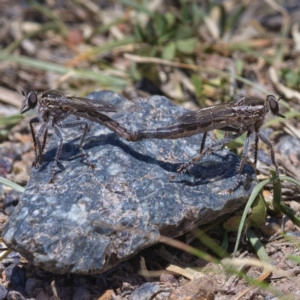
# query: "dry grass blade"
{"points": [[287, 92], [9, 97], [186, 272], [144, 269], [261, 253], [142, 59]]}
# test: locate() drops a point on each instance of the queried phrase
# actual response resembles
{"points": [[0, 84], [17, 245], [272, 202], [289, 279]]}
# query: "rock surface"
{"points": [[90, 220]]}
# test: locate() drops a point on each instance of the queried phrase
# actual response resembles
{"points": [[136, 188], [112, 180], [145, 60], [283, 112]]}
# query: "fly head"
{"points": [[29, 102], [274, 106]]}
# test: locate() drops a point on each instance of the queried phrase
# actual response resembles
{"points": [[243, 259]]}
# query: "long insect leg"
{"points": [[204, 139], [43, 144], [107, 122], [58, 152], [85, 130], [209, 149], [264, 139], [241, 165], [38, 154], [203, 142], [31, 122], [255, 149]]}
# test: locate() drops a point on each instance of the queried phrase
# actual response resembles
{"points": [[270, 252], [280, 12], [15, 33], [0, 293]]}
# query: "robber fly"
{"points": [[244, 115], [53, 108]]}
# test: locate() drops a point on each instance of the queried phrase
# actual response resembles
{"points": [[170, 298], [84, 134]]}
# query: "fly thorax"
{"points": [[44, 115], [248, 110]]}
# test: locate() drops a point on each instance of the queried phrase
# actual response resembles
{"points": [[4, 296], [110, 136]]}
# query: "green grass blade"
{"points": [[277, 204], [290, 179], [12, 184], [50, 15], [139, 7], [252, 198], [294, 258], [211, 244], [11, 120], [258, 247], [15, 44], [106, 80]]}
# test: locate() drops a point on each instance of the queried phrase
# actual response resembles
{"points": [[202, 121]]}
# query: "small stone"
{"points": [[55, 298], [3, 221], [16, 276], [145, 291], [288, 225], [14, 295], [108, 295], [19, 173], [13, 258], [42, 295], [65, 293], [168, 278], [11, 200], [82, 294], [289, 145], [295, 206], [270, 227], [30, 285], [3, 292], [74, 37], [8, 154], [196, 289]]}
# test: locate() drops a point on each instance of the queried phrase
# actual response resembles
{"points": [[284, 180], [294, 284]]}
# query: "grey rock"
{"points": [[15, 295], [289, 145], [16, 276], [7, 157], [41, 294], [264, 157], [146, 291], [3, 292], [90, 220], [31, 284], [10, 201], [12, 258]]}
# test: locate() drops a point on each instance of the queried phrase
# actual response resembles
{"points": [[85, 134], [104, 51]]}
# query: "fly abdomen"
{"points": [[171, 132]]}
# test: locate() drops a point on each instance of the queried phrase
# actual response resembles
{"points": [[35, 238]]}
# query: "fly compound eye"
{"points": [[274, 107], [29, 102], [32, 99]]}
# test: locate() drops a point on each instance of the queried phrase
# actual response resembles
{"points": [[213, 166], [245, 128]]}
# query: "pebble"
{"points": [[10, 201], [145, 291], [16, 276], [81, 293], [42, 295], [270, 226], [14, 295], [3, 292], [30, 285]]}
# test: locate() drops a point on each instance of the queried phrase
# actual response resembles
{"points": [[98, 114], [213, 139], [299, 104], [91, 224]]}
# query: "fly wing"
{"points": [[215, 113], [60, 99], [250, 101], [78, 103]]}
